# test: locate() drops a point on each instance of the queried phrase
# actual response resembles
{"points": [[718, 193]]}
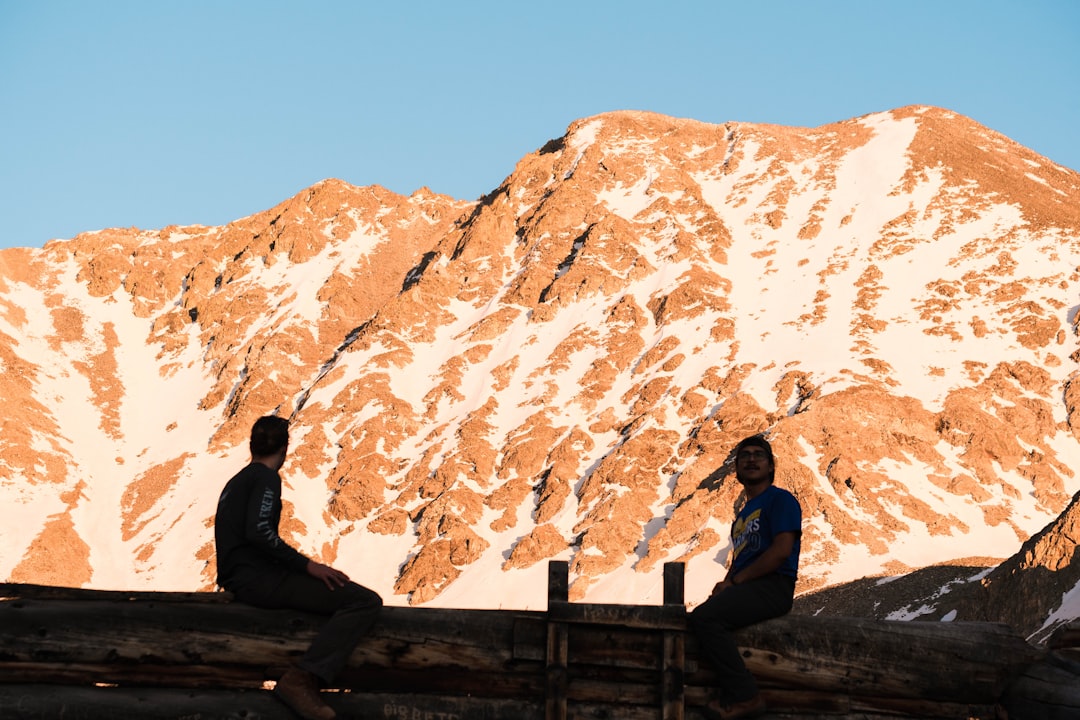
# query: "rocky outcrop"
{"points": [[1027, 590], [1030, 591]]}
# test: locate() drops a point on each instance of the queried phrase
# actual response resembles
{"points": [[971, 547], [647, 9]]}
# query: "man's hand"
{"points": [[333, 578], [768, 562], [722, 586]]}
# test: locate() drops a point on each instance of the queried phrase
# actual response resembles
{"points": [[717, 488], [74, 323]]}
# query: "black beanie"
{"points": [[757, 440]]}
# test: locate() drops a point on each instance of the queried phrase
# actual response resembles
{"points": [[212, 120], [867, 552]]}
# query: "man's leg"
{"points": [[352, 611], [715, 620], [356, 610]]}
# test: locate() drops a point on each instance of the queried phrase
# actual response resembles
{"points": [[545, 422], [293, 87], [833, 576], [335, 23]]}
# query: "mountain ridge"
{"points": [[560, 368]]}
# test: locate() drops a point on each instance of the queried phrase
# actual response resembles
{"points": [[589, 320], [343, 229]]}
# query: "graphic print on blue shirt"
{"points": [[746, 533], [759, 521]]}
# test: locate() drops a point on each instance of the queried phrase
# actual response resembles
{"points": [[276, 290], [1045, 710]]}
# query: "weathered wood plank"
{"points": [[793, 703], [38, 702], [18, 591], [528, 684], [615, 646], [134, 674], [622, 688], [555, 672], [46, 702], [557, 676], [650, 617], [673, 670], [673, 678]]}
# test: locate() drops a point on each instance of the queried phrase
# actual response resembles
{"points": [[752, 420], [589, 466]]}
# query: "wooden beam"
{"points": [[673, 663], [555, 707], [651, 617]]}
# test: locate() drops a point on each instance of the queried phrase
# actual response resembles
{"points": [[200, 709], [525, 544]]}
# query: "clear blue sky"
{"points": [[148, 113]]}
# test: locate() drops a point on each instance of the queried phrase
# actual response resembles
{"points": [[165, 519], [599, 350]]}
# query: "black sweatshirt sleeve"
{"points": [[261, 522]]}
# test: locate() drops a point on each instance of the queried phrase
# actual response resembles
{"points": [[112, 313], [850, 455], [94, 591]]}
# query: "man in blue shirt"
{"points": [[760, 581]]}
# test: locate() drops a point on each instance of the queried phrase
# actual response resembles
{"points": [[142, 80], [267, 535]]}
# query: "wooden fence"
{"points": [[84, 654]]}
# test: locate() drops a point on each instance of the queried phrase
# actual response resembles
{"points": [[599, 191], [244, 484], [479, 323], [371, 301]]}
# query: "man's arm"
{"points": [[768, 562], [261, 527], [262, 531]]}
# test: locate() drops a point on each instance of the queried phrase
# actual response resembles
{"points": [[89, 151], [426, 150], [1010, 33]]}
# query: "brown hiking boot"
{"points": [[751, 708], [300, 691]]}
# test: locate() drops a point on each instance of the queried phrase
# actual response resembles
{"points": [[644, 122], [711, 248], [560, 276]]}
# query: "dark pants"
{"points": [[352, 610], [714, 621]]}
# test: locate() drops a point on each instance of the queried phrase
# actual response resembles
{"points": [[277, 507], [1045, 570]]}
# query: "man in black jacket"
{"points": [[261, 569]]}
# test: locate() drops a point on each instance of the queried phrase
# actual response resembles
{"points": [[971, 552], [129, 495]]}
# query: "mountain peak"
{"points": [[560, 369]]}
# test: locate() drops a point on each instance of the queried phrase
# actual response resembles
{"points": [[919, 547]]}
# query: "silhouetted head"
{"points": [[269, 435], [754, 461]]}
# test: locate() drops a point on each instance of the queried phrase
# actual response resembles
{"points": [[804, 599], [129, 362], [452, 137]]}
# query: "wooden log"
{"points": [[36, 702], [1048, 689], [953, 662], [795, 703], [46, 702], [134, 674], [145, 641]]}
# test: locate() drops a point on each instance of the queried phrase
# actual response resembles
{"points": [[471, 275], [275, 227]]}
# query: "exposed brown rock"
{"points": [[57, 556], [1024, 590], [542, 542]]}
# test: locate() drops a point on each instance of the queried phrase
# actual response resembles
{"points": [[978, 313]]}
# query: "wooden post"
{"points": [[674, 591], [672, 690], [557, 644]]}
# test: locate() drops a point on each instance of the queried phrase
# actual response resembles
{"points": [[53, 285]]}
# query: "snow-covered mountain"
{"points": [[560, 369]]}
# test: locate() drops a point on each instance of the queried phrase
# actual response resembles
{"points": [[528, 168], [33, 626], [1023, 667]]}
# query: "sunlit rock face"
{"points": [[561, 368]]}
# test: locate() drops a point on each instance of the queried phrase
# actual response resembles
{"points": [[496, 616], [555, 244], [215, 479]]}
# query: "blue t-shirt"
{"points": [[760, 520]]}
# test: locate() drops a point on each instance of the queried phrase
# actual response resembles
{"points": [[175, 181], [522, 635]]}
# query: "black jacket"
{"points": [[246, 529]]}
